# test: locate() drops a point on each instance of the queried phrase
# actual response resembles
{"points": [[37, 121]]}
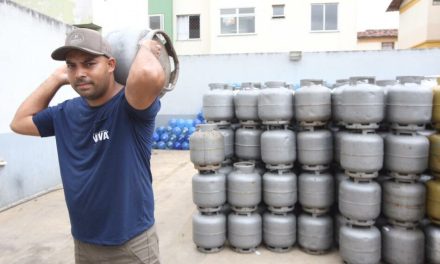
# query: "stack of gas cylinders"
{"points": [[432, 231], [278, 153], [319, 167], [209, 188], [315, 155]]}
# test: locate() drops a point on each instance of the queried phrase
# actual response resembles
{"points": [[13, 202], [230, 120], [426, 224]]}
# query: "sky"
{"points": [[372, 15]]}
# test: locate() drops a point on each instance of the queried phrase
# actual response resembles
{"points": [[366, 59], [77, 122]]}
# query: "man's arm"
{"points": [[37, 101], [146, 77]]}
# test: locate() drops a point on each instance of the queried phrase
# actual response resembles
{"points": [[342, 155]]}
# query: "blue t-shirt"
{"points": [[104, 155]]}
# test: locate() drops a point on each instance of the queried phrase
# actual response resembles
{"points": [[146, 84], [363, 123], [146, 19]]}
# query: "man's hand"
{"points": [[60, 74], [152, 45], [37, 101], [146, 77]]}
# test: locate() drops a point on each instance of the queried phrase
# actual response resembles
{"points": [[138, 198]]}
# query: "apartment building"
{"points": [[249, 26], [419, 23]]}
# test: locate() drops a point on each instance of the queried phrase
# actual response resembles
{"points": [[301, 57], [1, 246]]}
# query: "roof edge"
{"points": [[394, 5]]}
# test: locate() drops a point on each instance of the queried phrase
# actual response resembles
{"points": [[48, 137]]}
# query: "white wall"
{"points": [[27, 40], [198, 71], [26, 44]]}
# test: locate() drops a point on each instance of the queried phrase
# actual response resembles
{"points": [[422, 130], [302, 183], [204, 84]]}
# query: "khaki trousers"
{"points": [[141, 249]]}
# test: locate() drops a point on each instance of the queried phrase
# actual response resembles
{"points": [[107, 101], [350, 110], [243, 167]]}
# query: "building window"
{"points": [[387, 45], [156, 22], [237, 20], [324, 17], [188, 27], [436, 2], [277, 11]]}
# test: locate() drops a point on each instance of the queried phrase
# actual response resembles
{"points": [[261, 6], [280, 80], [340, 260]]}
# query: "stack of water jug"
{"points": [[246, 188], [432, 231], [315, 155]]}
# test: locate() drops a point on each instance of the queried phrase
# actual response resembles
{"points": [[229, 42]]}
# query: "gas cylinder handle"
{"points": [[161, 36]]}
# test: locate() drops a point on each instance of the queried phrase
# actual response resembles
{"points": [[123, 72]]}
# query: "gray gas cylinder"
{"points": [[315, 148], [406, 154], [337, 101], [226, 167], [339, 177], [278, 148], [279, 231], [386, 84], [244, 232], [337, 144], [316, 191], [403, 202], [275, 104], [124, 45], [315, 233], [247, 143], [244, 187], [246, 103], [339, 221], [432, 234], [312, 103], [209, 231], [259, 167], [228, 136], [218, 103], [403, 246], [362, 102], [209, 190], [280, 190], [409, 102], [360, 245], [362, 154], [360, 201], [206, 146]]}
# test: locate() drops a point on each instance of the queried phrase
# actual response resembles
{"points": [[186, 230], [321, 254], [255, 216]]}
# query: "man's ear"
{"points": [[112, 64]]}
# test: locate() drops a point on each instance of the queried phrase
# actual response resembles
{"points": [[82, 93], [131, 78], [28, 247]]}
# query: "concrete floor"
{"points": [[38, 231]]}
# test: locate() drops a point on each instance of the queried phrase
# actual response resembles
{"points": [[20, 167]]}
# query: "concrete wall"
{"points": [[26, 44], [198, 71]]}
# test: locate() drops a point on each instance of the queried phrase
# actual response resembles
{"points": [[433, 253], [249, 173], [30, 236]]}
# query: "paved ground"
{"points": [[38, 231]]}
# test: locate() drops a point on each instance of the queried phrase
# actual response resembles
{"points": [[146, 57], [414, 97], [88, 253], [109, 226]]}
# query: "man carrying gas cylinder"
{"points": [[104, 140]]}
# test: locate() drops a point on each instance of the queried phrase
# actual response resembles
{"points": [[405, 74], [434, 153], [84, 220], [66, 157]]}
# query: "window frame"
{"points": [[324, 14], [237, 15], [279, 16], [435, 2], [161, 20], [385, 43], [189, 38]]}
